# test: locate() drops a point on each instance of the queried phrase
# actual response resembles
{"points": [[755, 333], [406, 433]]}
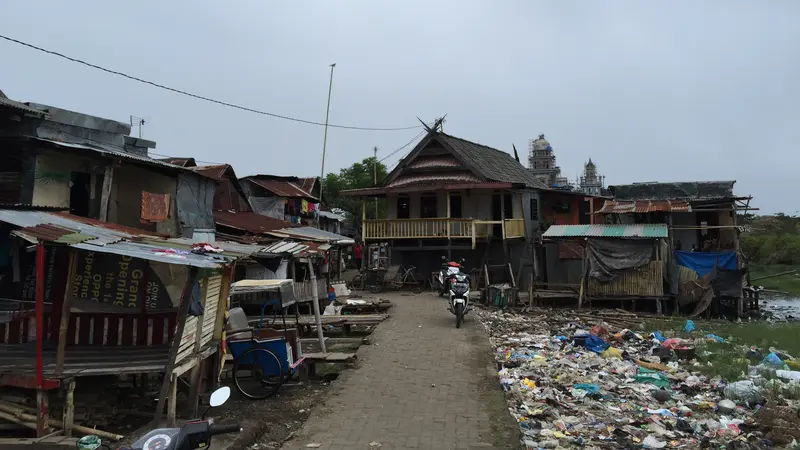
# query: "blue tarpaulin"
{"points": [[703, 262]]}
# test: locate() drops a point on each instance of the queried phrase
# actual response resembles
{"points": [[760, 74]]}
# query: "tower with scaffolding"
{"points": [[542, 161], [591, 182]]}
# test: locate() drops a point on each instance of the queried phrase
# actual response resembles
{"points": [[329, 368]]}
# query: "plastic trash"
{"points": [[726, 406], [661, 412], [612, 352], [658, 336], [653, 442], [791, 375], [589, 388], [774, 361], [689, 327], [714, 337], [595, 344], [653, 377], [744, 391]]}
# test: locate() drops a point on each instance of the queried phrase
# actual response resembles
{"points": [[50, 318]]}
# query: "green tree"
{"points": [[358, 176]]}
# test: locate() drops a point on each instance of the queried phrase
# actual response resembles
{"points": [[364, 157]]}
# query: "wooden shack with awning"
{"points": [[95, 299], [624, 263]]}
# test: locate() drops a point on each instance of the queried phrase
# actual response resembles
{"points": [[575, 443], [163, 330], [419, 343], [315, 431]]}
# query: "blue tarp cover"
{"points": [[703, 262]]}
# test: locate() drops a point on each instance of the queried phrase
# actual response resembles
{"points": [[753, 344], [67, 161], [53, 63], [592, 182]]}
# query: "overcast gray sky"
{"points": [[666, 91]]}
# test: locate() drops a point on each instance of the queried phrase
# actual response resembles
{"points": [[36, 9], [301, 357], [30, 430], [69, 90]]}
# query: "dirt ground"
{"points": [[268, 423]]}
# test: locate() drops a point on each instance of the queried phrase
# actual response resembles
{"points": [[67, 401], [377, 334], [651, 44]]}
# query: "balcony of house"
{"points": [[468, 216]]}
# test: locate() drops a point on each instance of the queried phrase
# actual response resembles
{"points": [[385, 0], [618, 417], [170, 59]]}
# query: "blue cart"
{"points": [[265, 357]]}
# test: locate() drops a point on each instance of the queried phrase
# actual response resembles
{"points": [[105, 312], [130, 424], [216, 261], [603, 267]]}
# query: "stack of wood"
{"points": [[16, 410]]}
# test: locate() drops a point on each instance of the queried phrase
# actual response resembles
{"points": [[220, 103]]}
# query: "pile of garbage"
{"points": [[571, 383]]}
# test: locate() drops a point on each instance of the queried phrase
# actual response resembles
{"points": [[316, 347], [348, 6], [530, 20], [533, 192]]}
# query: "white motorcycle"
{"points": [[459, 296], [449, 268]]}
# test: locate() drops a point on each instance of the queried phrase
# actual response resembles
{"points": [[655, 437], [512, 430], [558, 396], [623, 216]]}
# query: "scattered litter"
{"points": [[313, 445], [571, 381], [374, 444]]}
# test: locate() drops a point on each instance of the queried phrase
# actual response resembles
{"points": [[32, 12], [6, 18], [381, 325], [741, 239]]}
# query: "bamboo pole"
{"points": [[11, 414]]}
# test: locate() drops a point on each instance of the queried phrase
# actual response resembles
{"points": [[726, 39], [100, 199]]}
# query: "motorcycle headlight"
{"points": [[459, 288]]}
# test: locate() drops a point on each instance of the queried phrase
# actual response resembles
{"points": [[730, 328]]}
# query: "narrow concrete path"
{"points": [[422, 384]]}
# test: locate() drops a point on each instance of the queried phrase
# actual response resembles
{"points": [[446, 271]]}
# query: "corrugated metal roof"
{"points": [[643, 206], [108, 150], [213, 172], [250, 221], [640, 231], [283, 188], [680, 190], [7, 102], [330, 215], [316, 234], [58, 228], [183, 162], [51, 233], [434, 178]]}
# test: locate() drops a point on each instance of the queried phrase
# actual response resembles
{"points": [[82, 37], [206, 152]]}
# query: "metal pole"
{"points": [[325, 139], [375, 177]]}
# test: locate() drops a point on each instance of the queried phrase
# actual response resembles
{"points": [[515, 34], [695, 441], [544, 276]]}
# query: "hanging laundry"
{"points": [[304, 206], [312, 207], [155, 207]]}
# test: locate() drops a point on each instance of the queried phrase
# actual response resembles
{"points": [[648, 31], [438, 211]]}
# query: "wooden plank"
{"points": [[105, 194], [165, 386]]}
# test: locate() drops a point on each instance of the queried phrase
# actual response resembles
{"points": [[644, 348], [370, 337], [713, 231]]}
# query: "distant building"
{"points": [[590, 182], [542, 161]]}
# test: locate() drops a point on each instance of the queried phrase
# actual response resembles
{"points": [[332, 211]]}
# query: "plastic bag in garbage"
{"points": [[774, 361], [595, 344], [689, 327], [743, 391]]}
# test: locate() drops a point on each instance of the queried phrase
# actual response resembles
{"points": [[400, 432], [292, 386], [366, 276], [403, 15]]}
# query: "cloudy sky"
{"points": [[674, 91]]}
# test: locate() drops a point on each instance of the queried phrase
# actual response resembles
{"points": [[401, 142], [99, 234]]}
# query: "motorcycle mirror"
{"points": [[89, 442], [219, 397]]}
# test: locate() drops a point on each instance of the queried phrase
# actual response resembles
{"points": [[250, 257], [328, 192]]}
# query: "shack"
{"points": [[91, 299], [93, 167], [705, 265], [623, 263]]}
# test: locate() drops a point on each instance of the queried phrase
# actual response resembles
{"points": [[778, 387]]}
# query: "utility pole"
{"points": [[375, 176], [325, 139]]}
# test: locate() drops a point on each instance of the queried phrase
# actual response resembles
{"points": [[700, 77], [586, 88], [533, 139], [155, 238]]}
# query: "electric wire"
{"points": [[200, 97]]}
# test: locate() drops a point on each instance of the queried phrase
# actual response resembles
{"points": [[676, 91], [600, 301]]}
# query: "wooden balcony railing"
{"points": [[442, 228]]}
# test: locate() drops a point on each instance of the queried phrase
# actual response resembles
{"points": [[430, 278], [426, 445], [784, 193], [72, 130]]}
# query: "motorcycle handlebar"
{"points": [[215, 429]]}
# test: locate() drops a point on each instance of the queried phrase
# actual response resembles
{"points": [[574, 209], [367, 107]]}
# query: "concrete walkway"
{"points": [[423, 384]]}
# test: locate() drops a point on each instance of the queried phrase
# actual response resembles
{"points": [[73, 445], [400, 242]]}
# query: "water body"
{"points": [[782, 308]]}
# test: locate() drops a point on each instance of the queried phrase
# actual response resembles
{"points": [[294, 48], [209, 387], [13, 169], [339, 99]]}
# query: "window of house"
{"points": [[427, 206], [455, 206], [403, 207], [534, 212]]}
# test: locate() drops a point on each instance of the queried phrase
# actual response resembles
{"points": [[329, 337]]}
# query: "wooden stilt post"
{"points": [[68, 416], [66, 306], [169, 386], [172, 401]]}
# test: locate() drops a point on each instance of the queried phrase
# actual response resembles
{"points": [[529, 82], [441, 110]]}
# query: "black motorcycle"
{"points": [[195, 434]]}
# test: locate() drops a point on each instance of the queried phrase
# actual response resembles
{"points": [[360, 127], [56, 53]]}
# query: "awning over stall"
{"points": [[61, 228], [311, 233]]}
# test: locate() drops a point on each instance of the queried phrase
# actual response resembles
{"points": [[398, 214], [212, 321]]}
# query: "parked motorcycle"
{"points": [[195, 434], [459, 296], [448, 269]]}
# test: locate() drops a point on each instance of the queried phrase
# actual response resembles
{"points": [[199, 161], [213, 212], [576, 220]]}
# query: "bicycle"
{"points": [[407, 279]]}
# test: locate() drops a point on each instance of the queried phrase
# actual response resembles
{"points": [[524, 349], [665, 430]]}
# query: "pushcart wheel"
{"points": [[416, 287], [258, 373], [375, 288]]}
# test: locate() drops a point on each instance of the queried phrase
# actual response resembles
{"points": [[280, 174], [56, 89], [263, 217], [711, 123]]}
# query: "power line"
{"points": [[404, 146], [200, 97]]}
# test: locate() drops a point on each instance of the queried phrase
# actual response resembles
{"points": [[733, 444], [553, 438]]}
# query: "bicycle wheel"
{"points": [[258, 373], [414, 284]]}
